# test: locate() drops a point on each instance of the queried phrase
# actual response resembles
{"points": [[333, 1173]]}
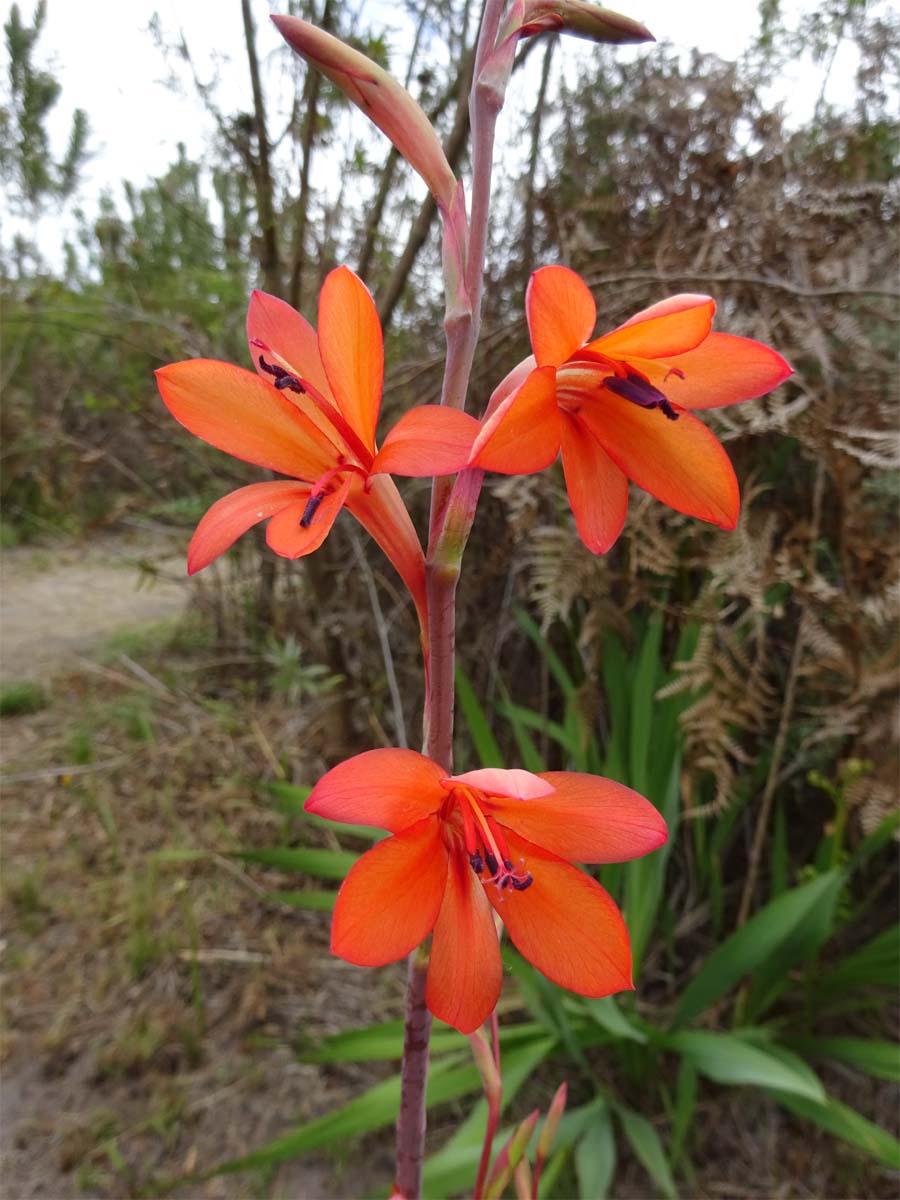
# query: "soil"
{"points": [[60, 602]]}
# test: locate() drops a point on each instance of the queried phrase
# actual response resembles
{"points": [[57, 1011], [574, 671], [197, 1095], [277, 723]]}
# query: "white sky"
{"points": [[107, 63]]}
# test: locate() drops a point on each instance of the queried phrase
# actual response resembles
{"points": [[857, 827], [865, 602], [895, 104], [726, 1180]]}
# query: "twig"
{"points": [[266, 746], [782, 285], [145, 676], [787, 709], [108, 764], [240, 874], [384, 640], [241, 957]]}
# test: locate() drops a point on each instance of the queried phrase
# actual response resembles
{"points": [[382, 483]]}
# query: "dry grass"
{"points": [[153, 994]]}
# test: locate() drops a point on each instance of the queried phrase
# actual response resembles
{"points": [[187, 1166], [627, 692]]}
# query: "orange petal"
{"points": [[430, 440], [391, 898], [293, 346], [510, 383], [290, 335], [679, 462], [234, 514], [388, 789], [561, 314], [586, 819], [287, 537], [673, 326], [522, 434], [565, 923], [380, 509], [465, 972], [236, 412], [598, 491], [723, 369], [352, 351], [662, 308]]}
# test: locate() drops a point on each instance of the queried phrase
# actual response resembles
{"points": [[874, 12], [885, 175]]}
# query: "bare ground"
{"points": [[59, 602]]}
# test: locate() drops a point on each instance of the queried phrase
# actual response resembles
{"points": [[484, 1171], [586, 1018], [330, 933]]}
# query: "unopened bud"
{"points": [[509, 1157], [551, 1124], [487, 1068], [582, 20], [384, 101]]}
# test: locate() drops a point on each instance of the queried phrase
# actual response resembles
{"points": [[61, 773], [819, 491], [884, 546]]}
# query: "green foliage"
{"points": [[779, 976], [25, 159], [292, 678], [22, 696]]}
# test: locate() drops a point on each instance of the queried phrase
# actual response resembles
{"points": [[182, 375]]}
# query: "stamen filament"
{"points": [[497, 854]]}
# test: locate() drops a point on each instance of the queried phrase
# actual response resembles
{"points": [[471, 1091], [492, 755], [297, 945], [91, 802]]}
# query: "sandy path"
{"points": [[57, 603]]}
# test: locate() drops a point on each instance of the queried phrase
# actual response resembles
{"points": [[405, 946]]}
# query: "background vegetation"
{"points": [[746, 682]]}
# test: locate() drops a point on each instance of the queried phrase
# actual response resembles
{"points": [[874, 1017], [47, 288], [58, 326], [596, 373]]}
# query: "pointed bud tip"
{"points": [[584, 20]]}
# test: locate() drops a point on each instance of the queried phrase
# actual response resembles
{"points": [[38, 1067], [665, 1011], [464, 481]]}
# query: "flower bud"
{"points": [[582, 20], [384, 101]]}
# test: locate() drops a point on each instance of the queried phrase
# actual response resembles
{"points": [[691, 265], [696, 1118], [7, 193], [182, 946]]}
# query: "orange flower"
{"points": [[310, 413], [466, 844], [617, 406]]}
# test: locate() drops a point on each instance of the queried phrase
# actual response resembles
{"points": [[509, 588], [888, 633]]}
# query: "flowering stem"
{"points": [[411, 1118], [493, 1097], [452, 513]]}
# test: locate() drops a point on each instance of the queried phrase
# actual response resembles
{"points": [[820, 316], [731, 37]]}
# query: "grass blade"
{"points": [[326, 864], [749, 947], [486, 746]]}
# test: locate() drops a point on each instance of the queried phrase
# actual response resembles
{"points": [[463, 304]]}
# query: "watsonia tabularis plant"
{"points": [[470, 855]]}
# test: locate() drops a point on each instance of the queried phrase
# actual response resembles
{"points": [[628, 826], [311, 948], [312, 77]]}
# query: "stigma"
{"points": [[502, 874]]}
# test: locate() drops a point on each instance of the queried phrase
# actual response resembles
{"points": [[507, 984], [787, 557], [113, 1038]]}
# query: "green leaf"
{"points": [[291, 796], [644, 877], [539, 723], [643, 691], [879, 837], [751, 946], [606, 1012], [595, 1158], [801, 945], [554, 663], [779, 856], [365, 832], [486, 746], [616, 680], [668, 739], [871, 1055], [376, 1043], [685, 1103], [647, 1146], [877, 964], [547, 1190], [452, 1168], [730, 1059], [847, 1124], [529, 755], [374, 1109], [326, 864]]}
